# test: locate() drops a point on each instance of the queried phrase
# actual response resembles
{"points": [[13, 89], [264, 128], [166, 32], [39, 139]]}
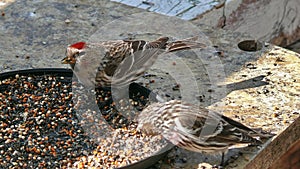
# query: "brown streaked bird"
{"points": [[120, 61], [196, 128]]}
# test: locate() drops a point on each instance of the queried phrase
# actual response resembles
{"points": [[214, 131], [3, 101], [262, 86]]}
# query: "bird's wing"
{"points": [[140, 57], [209, 126], [189, 43]]}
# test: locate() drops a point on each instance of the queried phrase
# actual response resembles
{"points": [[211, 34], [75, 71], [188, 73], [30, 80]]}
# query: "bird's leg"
{"points": [[221, 166], [222, 160]]}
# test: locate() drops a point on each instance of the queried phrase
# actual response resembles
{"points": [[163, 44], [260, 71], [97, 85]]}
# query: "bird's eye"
{"points": [[78, 54]]}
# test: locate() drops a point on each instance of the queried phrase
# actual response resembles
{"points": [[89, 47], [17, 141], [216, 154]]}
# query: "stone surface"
{"points": [[36, 33], [295, 47]]}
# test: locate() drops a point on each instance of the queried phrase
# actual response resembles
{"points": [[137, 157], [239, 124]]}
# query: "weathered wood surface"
{"points": [[275, 21], [283, 152], [185, 9]]}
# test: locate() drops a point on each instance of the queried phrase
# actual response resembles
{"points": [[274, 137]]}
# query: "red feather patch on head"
{"points": [[79, 45]]}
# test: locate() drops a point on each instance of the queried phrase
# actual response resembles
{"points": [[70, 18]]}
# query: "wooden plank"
{"points": [[282, 152], [185, 9], [275, 21]]}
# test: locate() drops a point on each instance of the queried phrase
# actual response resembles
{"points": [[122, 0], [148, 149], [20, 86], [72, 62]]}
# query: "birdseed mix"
{"points": [[40, 128]]}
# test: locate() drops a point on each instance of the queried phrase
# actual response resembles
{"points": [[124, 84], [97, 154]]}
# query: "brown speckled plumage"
{"points": [[195, 128], [126, 60]]}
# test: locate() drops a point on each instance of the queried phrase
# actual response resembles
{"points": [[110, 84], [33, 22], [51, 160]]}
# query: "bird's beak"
{"points": [[65, 60]]}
